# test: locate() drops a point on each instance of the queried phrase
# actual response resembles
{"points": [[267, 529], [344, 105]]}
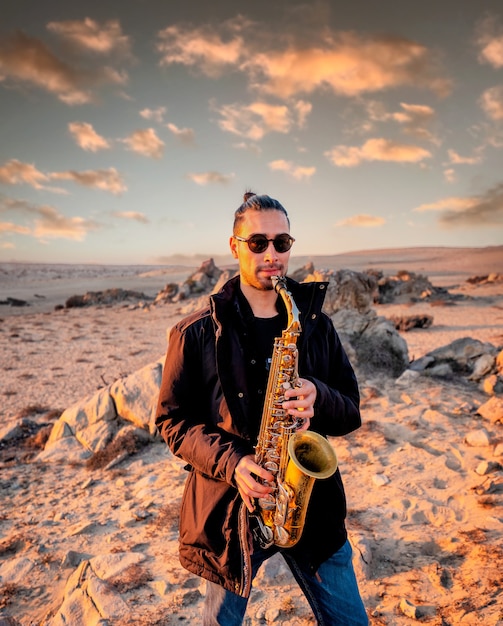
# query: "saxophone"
{"points": [[295, 459]]}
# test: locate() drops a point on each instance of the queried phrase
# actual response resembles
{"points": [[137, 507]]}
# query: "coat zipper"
{"points": [[245, 552]]}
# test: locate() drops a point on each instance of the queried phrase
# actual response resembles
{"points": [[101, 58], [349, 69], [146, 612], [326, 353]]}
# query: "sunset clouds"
{"points": [[377, 149], [27, 60], [44, 221], [469, 212], [362, 119], [344, 62], [86, 137]]}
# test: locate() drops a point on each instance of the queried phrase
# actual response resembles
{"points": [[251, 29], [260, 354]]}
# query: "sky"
{"points": [[129, 131]]}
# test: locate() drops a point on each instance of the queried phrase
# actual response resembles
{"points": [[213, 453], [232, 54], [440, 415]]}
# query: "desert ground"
{"points": [[424, 492]]}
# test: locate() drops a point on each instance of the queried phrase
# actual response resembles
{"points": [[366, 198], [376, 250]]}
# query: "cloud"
{"points": [[86, 137], [413, 118], [47, 222], [105, 180], [457, 159], [450, 175], [89, 35], [477, 211], [25, 59], [491, 102], [255, 120], [145, 142], [207, 178], [132, 215], [489, 41], [16, 229], [378, 149], [345, 63], [154, 114], [204, 46], [295, 171], [362, 221], [15, 172], [185, 135]]}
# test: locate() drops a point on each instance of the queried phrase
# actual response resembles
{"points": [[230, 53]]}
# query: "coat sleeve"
{"points": [[183, 417], [337, 406]]}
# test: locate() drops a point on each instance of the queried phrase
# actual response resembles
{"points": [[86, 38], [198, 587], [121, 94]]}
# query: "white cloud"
{"points": [[489, 41], [145, 142], [154, 114], [106, 180], [295, 171], [90, 35], [457, 159], [15, 172], [132, 215], [378, 149], [185, 135], [363, 220], [491, 102], [346, 63], [207, 178], [27, 60], [86, 137], [255, 120], [45, 221], [481, 211]]}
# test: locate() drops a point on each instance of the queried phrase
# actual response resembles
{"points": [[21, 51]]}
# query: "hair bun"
{"points": [[248, 195]]}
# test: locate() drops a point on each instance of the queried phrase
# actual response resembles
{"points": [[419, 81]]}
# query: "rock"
{"points": [[347, 289], [16, 570], [492, 410], [478, 438], [409, 377], [482, 366], [135, 396], [407, 322], [109, 296], [492, 385], [462, 354], [408, 287], [89, 600], [362, 554], [486, 467], [380, 480]]}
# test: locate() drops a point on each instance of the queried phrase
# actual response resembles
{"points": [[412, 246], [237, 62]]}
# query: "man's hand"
{"points": [[302, 403], [248, 487]]}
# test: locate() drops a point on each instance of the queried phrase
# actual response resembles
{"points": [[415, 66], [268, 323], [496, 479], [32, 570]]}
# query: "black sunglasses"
{"points": [[260, 243]]}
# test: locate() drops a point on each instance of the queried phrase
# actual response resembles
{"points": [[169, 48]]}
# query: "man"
{"points": [[209, 414]]}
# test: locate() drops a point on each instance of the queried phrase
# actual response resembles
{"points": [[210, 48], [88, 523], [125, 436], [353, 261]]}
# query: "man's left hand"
{"points": [[299, 401]]}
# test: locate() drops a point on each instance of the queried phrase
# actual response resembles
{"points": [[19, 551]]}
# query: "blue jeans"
{"points": [[332, 592]]}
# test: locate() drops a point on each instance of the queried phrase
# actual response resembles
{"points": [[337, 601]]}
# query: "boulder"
{"points": [[135, 396]]}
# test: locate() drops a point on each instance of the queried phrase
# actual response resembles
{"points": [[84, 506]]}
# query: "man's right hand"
{"points": [[248, 486]]}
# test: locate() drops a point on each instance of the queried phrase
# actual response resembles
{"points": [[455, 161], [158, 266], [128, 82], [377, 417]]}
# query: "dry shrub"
{"points": [[133, 577], [12, 545], [7, 593], [127, 445], [168, 516]]}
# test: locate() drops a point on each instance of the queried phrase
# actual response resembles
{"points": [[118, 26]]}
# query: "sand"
{"points": [[428, 523]]}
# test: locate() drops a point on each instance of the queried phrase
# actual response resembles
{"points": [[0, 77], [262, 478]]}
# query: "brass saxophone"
{"points": [[295, 459]]}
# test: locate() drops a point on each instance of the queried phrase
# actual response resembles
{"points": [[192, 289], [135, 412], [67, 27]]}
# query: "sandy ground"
{"points": [[429, 525]]}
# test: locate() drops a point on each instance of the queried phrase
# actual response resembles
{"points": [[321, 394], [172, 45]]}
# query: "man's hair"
{"points": [[252, 202]]}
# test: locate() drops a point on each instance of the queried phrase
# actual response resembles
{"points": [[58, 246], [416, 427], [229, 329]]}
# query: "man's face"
{"points": [[256, 269]]}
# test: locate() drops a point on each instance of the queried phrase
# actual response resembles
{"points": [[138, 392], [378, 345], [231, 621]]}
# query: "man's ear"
{"points": [[234, 247]]}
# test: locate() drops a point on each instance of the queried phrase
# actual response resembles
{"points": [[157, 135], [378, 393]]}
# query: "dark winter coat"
{"points": [[203, 415]]}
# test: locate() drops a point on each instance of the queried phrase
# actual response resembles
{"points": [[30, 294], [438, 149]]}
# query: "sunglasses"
{"points": [[260, 243]]}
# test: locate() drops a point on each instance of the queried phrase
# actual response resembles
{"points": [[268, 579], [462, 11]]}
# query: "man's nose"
{"points": [[270, 252]]}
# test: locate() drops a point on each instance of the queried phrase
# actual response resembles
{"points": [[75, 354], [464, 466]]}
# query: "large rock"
{"points": [[135, 397], [347, 289]]}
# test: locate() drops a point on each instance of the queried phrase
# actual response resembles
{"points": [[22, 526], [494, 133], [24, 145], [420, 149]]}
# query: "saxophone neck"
{"points": [[293, 324]]}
